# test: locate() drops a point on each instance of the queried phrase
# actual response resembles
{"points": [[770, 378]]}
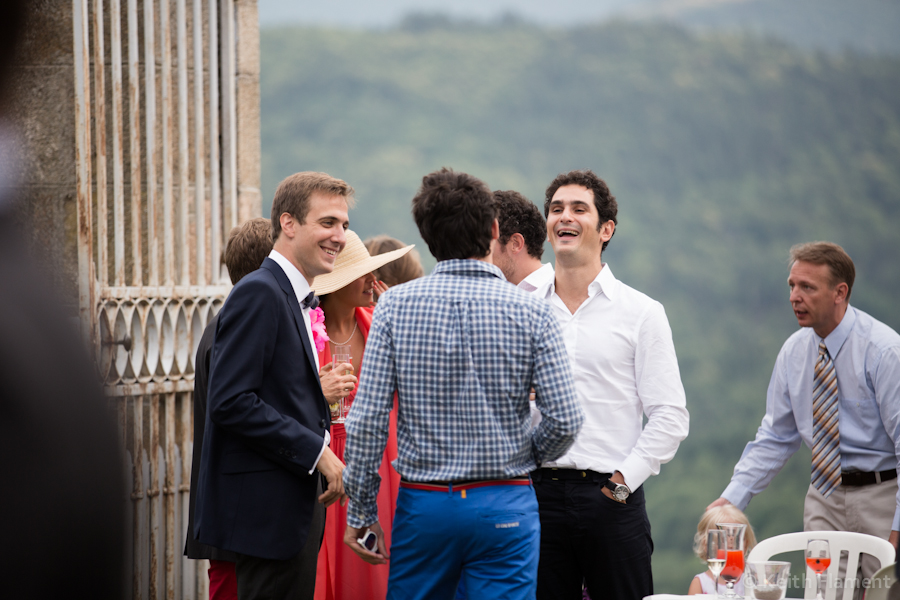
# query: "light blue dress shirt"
{"points": [[866, 355]]}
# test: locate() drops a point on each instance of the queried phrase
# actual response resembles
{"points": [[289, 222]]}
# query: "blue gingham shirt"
{"points": [[462, 347]]}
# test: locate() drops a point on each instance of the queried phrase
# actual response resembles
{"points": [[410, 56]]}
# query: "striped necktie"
{"points": [[826, 451]]}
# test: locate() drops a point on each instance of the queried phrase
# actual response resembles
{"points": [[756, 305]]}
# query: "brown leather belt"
{"points": [[467, 484], [859, 478]]}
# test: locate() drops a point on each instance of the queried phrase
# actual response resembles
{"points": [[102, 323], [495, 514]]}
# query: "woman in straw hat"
{"points": [[347, 297]]}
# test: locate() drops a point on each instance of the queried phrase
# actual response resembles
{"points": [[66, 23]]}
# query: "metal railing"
{"points": [[156, 193]]}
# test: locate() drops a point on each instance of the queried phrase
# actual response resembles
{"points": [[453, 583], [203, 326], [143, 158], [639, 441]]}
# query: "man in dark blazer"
{"points": [[267, 424]]}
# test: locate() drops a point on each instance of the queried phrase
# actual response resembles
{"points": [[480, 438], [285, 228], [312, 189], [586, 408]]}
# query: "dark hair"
{"points": [[826, 253], [454, 213], [292, 195], [607, 208], [517, 214], [406, 268], [248, 246]]}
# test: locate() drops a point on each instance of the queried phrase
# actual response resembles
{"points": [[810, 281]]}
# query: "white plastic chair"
{"points": [[881, 583], [838, 541]]}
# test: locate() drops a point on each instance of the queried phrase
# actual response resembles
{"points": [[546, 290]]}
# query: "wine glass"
{"points": [[715, 552], [818, 558], [340, 355], [734, 555]]}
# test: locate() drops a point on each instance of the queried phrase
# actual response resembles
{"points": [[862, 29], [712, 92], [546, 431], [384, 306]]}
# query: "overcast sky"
{"points": [[379, 13]]}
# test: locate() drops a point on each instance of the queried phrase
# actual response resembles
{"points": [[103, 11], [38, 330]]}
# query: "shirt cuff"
{"points": [[322, 451], [356, 515], [896, 525], [635, 471], [738, 494]]}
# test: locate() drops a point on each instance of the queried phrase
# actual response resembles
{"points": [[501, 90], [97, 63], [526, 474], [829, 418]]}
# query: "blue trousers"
{"points": [[489, 536]]}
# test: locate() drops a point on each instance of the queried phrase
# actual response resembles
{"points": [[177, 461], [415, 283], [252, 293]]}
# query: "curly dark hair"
{"points": [[517, 214], [454, 213], [607, 208]]}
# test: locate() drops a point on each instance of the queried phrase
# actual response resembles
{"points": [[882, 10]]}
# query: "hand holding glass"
{"points": [[340, 355]]}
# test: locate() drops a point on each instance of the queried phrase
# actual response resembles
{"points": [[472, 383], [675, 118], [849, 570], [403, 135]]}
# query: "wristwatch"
{"points": [[619, 491]]}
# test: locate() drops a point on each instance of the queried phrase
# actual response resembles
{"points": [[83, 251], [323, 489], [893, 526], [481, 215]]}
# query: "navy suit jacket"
{"points": [[265, 423]]}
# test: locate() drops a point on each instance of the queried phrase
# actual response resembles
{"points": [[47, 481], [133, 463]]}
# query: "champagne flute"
{"points": [[715, 552], [734, 555], [818, 558], [340, 355]]}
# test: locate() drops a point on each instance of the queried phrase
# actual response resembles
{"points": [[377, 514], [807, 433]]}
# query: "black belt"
{"points": [[556, 474], [859, 479]]}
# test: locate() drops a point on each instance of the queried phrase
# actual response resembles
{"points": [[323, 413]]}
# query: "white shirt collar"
{"points": [[298, 281], [604, 282], [537, 278]]}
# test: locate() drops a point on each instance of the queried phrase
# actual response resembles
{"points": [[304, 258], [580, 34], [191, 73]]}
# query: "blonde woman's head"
{"points": [[727, 513]]}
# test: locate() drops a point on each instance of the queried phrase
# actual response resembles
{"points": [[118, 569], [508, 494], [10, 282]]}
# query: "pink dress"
{"points": [[340, 573]]}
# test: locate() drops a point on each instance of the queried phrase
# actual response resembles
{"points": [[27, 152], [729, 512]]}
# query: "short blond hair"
{"points": [[727, 513], [248, 246]]}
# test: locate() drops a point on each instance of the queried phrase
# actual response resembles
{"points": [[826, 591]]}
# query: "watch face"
{"points": [[621, 493]]}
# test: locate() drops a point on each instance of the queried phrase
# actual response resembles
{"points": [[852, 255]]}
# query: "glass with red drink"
{"points": [[734, 556], [818, 558]]}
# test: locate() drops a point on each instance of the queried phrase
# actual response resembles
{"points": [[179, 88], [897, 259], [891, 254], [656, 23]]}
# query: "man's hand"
{"points": [[337, 383], [352, 534], [617, 477], [332, 468], [894, 538], [719, 502]]}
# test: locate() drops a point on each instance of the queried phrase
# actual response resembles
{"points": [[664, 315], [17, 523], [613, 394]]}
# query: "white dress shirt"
{"points": [[537, 278], [620, 346], [301, 290]]}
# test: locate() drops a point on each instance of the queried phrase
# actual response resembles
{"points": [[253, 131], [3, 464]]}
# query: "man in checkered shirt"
{"points": [[462, 348]]}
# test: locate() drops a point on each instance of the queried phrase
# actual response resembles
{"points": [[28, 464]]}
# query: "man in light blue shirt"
{"points": [[866, 358]]}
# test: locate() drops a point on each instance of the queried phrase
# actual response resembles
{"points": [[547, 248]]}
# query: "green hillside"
{"points": [[723, 152]]}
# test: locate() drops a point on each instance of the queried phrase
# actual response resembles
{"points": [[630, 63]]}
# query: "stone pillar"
{"points": [[43, 118], [248, 124]]}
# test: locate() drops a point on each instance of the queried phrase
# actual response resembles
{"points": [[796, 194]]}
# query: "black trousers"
{"points": [[291, 579], [587, 537]]}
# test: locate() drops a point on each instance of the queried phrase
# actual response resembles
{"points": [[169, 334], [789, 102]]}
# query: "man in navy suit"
{"points": [[267, 424]]}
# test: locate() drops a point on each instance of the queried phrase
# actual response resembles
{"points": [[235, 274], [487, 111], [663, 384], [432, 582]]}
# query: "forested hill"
{"points": [[723, 151]]}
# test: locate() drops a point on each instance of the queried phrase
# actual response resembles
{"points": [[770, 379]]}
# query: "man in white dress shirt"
{"points": [[520, 246], [594, 525]]}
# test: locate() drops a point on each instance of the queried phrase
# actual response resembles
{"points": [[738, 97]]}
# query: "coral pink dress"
{"points": [[340, 573]]}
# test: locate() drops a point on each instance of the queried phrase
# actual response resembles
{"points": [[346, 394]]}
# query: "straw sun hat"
{"points": [[352, 263]]}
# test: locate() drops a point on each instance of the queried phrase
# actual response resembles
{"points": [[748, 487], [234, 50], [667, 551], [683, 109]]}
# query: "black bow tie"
{"points": [[311, 301]]}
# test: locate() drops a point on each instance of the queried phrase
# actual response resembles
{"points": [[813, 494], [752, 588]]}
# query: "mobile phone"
{"points": [[369, 541]]}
